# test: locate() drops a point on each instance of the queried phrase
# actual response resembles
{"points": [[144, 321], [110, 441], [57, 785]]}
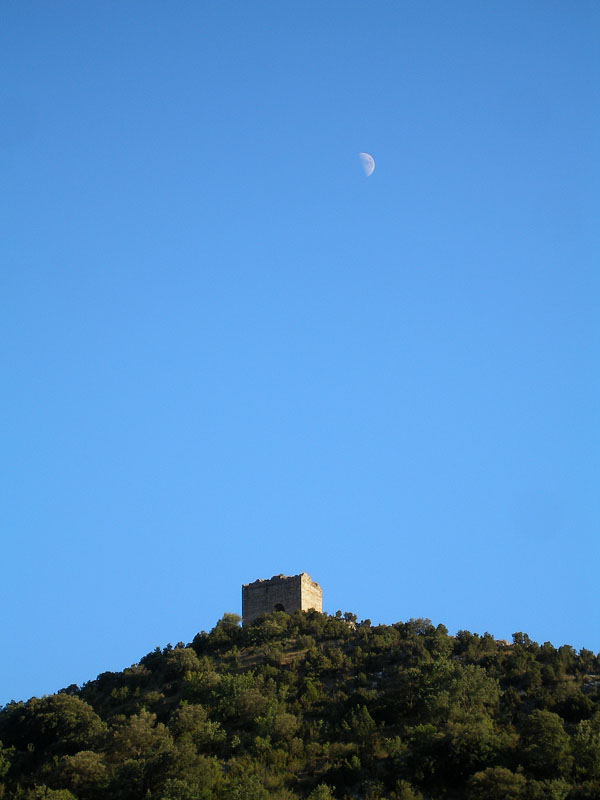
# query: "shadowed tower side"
{"points": [[288, 593]]}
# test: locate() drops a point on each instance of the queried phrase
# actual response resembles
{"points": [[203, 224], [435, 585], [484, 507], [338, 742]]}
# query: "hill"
{"points": [[316, 706]]}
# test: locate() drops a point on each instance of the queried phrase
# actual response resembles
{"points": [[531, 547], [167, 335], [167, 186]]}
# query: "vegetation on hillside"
{"points": [[316, 706]]}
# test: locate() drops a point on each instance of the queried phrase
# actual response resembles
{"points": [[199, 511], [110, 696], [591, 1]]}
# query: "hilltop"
{"points": [[317, 706]]}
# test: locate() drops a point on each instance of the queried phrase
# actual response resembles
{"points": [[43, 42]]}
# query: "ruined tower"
{"points": [[280, 593]]}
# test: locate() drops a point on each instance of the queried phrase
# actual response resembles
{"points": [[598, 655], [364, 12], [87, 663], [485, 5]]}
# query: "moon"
{"points": [[368, 163]]}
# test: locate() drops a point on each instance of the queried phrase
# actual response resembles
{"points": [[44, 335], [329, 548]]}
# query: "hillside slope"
{"points": [[314, 706]]}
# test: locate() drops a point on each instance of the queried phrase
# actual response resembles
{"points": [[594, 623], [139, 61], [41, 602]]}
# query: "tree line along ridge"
{"points": [[310, 705]]}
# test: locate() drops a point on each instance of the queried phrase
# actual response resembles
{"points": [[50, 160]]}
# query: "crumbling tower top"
{"points": [[280, 593]]}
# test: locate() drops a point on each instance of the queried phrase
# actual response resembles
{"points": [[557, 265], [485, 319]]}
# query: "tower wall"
{"points": [[280, 593]]}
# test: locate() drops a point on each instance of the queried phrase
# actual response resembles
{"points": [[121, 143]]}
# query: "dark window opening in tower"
{"points": [[279, 607]]}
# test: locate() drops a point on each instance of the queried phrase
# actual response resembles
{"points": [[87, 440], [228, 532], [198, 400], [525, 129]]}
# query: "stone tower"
{"points": [[280, 593]]}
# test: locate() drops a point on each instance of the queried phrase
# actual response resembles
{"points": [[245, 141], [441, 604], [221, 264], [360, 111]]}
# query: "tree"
{"points": [[321, 792], [6, 755], [179, 661], [548, 790], [472, 693], [378, 711], [191, 722], [470, 746], [227, 629], [85, 773], [142, 752], [404, 791], [242, 698], [243, 785], [59, 724], [192, 776], [586, 751], [361, 725], [496, 783], [546, 745], [44, 793]]}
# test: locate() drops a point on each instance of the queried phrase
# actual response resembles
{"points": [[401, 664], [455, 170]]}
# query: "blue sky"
{"points": [[228, 354]]}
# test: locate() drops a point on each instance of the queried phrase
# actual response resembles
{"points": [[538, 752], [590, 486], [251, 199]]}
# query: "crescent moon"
{"points": [[368, 163]]}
